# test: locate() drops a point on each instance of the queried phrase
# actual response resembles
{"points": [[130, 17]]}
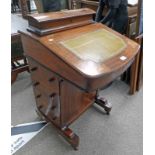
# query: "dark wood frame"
{"points": [[16, 67], [137, 67]]}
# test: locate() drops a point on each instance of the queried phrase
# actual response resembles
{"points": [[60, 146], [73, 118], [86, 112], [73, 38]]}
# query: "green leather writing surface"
{"points": [[96, 46]]}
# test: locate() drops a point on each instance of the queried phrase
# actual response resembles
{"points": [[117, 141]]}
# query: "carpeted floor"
{"points": [[120, 133]]}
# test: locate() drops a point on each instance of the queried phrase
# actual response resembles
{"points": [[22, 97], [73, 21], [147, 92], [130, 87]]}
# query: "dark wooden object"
{"points": [[136, 71], [140, 66], [137, 68], [131, 27], [43, 24], [64, 85], [16, 56], [17, 53]]}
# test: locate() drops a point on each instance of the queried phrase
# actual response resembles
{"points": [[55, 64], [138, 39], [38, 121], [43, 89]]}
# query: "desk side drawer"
{"points": [[46, 90]]}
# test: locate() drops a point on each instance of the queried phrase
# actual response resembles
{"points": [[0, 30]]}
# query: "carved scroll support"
{"points": [[103, 103]]}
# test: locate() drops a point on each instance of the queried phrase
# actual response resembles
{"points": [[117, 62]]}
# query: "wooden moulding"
{"points": [[47, 23]]}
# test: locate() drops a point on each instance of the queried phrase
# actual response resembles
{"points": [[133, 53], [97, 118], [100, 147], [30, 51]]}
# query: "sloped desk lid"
{"points": [[96, 46], [93, 50], [103, 56]]}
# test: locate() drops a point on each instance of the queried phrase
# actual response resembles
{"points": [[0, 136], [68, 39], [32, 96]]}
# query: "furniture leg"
{"points": [[71, 137], [16, 71], [66, 132], [134, 74], [13, 76], [140, 72]]}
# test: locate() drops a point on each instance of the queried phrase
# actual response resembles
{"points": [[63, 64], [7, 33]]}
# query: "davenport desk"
{"points": [[71, 57]]}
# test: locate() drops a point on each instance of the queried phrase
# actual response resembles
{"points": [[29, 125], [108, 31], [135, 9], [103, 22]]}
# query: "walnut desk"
{"points": [[71, 57]]}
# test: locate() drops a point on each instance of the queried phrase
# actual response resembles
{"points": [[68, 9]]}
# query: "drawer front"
{"points": [[46, 90]]}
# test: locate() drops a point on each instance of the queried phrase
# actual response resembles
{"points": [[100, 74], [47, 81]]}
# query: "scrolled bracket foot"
{"points": [[72, 138], [104, 104]]}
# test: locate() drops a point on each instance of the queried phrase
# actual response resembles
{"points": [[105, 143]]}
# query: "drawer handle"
{"points": [[36, 84], [38, 96], [40, 106], [51, 79], [53, 107], [54, 118], [52, 95], [34, 69]]}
